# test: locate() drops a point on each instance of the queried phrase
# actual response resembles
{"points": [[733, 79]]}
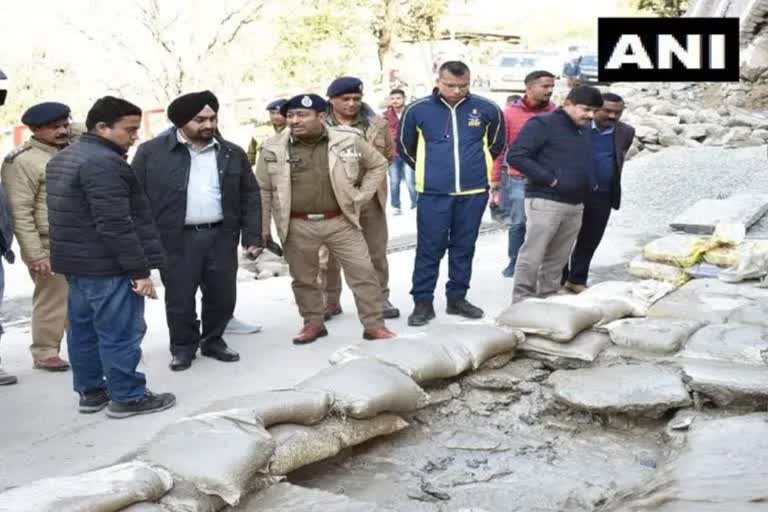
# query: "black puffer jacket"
{"points": [[162, 166], [100, 220]]}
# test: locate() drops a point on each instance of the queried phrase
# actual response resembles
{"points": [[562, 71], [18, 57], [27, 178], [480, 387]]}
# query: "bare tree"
{"points": [[173, 51]]}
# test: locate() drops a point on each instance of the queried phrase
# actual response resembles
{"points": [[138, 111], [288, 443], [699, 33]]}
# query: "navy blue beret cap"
{"points": [[345, 85], [275, 105], [308, 101], [44, 113]]}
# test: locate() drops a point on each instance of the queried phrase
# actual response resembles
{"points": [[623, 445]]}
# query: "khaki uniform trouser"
{"points": [[346, 244], [373, 220], [49, 315], [551, 229]]}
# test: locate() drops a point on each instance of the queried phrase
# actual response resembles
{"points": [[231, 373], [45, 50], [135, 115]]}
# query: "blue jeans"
{"points": [[449, 223], [398, 171], [513, 203], [106, 326]]}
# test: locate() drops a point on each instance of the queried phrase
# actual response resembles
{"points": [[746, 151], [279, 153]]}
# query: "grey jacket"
{"points": [[6, 229]]}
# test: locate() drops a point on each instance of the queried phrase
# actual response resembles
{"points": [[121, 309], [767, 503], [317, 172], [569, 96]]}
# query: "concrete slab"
{"points": [[638, 390], [654, 335], [722, 467], [702, 217], [729, 343], [728, 384]]}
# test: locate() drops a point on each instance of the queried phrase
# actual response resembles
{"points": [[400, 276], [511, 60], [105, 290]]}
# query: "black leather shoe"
{"points": [[423, 312], [220, 351], [181, 362], [390, 311], [462, 307]]}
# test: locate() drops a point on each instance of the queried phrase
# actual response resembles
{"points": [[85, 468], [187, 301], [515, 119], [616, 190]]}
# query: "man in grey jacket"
{"points": [[6, 239]]}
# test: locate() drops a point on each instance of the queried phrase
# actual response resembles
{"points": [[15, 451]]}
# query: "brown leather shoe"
{"points": [[310, 333], [379, 333], [332, 310], [574, 288], [52, 364]]}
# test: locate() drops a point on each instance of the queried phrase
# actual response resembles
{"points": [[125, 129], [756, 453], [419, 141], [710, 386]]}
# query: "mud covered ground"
{"points": [[510, 449]]}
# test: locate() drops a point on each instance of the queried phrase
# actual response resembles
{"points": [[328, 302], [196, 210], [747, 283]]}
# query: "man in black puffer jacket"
{"points": [[554, 151], [104, 241]]}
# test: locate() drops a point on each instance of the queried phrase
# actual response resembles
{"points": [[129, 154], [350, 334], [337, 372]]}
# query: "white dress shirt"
{"points": [[203, 188]]}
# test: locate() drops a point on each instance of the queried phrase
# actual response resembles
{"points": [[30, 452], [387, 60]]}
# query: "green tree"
{"points": [[317, 41], [663, 8], [414, 20]]}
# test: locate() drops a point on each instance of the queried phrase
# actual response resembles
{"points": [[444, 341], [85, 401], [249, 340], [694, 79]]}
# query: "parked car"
{"points": [[589, 69], [510, 70]]}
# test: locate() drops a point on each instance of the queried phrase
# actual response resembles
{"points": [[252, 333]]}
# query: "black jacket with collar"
{"points": [[100, 221], [162, 166]]}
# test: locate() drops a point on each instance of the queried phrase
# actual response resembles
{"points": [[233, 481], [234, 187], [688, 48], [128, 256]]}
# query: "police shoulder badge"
{"points": [[306, 101]]}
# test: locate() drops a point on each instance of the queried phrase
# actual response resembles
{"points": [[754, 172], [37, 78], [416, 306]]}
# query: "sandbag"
{"points": [[732, 343], [729, 255], [351, 432], [752, 264], [185, 497], [287, 497], [280, 406], [644, 269], [484, 342], [422, 360], [678, 250], [105, 490], [661, 336], [299, 446], [146, 507], [218, 452], [640, 295], [553, 320], [364, 388], [611, 308], [586, 347]]}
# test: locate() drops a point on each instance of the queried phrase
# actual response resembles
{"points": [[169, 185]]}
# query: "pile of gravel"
{"points": [[659, 186]]}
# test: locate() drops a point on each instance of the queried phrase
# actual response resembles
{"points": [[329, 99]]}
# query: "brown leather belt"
{"points": [[315, 216]]}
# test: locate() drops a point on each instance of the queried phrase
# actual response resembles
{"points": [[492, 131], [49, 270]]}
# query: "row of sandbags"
{"points": [[240, 446], [677, 258], [573, 328]]}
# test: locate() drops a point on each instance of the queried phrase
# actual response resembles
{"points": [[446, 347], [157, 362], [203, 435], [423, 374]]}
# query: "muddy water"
{"points": [[496, 450]]}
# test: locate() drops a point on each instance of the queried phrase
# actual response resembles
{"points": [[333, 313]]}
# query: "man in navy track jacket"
{"points": [[451, 139]]}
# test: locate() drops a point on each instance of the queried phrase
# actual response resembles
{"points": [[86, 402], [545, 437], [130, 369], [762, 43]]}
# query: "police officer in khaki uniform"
{"points": [[314, 181], [278, 124], [346, 108], [23, 175]]}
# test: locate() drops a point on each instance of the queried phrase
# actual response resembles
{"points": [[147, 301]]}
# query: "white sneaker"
{"points": [[397, 211], [235, 326]]}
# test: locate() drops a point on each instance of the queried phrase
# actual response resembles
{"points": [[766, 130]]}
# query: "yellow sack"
{"points": [[644, 269], [679, 250]]}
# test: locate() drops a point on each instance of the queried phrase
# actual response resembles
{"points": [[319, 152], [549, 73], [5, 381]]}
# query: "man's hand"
{"points": [[144, 287], [554, 183], [495, 185], [41, 267], [252, 252]]}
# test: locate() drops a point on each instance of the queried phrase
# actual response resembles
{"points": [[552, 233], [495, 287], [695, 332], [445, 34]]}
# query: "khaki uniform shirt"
{"points": [[312, 191], [23, 175], [348, 156]]}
